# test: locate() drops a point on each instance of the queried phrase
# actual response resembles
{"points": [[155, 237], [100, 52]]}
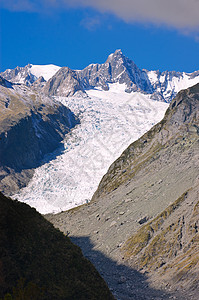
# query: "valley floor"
{"points": [[124, 282]]}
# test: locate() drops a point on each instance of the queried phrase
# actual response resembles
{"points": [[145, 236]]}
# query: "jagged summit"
{"points": [[117, 54], [30, 73], [117, 68], [39, 83]]}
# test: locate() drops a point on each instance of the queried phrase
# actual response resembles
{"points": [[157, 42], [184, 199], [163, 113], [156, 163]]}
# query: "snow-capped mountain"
{"points": [[30, 73], [115, 104], [161, 86], [117, 68], [167, 84]]}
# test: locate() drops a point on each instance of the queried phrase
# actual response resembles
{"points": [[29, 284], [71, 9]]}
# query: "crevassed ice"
{"points": [[110, 121]]}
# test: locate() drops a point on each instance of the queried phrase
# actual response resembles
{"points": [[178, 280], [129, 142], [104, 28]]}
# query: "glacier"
{"points": [[116, 103], [110, 121]]}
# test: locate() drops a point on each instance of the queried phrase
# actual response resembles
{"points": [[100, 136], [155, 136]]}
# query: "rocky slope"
{"points": [[167, 247], [143, 215], [31, 125], [181, 120], [162, 86], [64, 83], [39, 262]]}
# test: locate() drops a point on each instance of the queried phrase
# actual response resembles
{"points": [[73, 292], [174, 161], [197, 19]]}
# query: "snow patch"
{"points": [[153, 77], [47, 71]]}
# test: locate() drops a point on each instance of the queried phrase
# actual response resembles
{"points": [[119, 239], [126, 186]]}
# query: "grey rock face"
{"points": [[39, 83], [64, 83], [19, 75], [161, 86], [117, 68], [5, 83]]}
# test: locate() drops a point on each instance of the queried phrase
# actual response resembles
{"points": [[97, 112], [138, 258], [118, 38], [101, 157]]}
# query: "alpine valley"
{"points": [[110, 155], [106, 106]]}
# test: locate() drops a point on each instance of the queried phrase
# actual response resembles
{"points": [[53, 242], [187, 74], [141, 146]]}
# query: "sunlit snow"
{"points": [[110, 121], [47, 71]]}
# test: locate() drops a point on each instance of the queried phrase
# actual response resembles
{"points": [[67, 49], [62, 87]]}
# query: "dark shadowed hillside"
{"points": [[38, 262]]}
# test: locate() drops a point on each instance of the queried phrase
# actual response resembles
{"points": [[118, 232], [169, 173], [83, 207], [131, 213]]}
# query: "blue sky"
{"points": [[75, 36]]}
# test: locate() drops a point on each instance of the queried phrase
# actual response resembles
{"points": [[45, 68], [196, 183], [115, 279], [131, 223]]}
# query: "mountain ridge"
{"points": [[161, 86]]}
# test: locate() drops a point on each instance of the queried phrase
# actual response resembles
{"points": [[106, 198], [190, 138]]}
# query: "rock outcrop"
{"points": [[117, 68]]}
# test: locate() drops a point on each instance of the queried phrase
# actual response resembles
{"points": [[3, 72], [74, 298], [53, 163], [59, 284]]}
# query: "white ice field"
{"points": [[110, 121]]}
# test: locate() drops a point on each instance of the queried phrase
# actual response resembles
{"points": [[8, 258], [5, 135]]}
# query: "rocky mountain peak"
{"points": [[118, 52], [39, 83], [20, 75], [115, 56], [117, 68]]}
